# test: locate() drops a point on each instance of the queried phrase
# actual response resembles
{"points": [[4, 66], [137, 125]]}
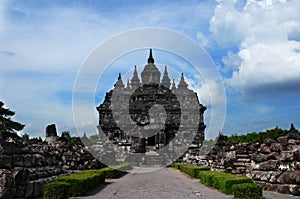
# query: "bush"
{"points": [[193, 171], [81, 183], [247, 191], [116, 171], [225, 184], [222, 181], [176, 165], [207, 177], [56, 190]]}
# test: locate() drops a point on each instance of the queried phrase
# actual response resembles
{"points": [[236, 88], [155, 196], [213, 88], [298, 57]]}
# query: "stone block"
{"points": [[29, 189], [265, 149], [297, 165], [293, 141], [289, 177], [7, 186], [23, 160], [230, 154], [297, 154], [258, 157], [239, 164], [268, 142], [276, 147], [246, 156], [267, 176], [51, 130], [21, 175], [270, 165], [295, 189], [244, 160], [287, 156], [274, 187], [20, 190], [10, 148], [38, 188], [282, 140], [6, 161]]}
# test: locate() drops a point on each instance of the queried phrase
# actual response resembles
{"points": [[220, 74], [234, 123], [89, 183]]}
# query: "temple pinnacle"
{"points": [[150, 59]]}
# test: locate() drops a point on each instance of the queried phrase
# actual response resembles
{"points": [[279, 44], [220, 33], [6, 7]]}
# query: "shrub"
{"points": [[226, 184], [222, 181], [116, 171], [193, 171], [206, 177], [81, 183], [247, 191], [176, 165], [56, 190]]}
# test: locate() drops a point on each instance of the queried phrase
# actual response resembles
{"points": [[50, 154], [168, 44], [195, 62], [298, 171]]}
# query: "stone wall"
{"points": [[26, 167], [275, 164]]}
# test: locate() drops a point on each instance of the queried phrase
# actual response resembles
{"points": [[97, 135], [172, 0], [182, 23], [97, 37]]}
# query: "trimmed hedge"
{"points": [[176, 165], [56, 190], [222, 181], [116, 171], [247, 191], [80, 183], [193, 171]]}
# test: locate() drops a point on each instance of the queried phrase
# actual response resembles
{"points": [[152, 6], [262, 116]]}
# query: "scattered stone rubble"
{"points": [[26, 167], [275, 164]]}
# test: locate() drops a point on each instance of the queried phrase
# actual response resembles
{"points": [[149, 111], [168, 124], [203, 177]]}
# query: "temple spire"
{"points": [[135, 81], [182, 83], [128, 84], [119, 83], [166, 80], [173, 85], [150, 59]]}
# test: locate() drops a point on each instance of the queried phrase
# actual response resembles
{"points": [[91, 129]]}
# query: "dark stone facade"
{"points": [[151, 98]]}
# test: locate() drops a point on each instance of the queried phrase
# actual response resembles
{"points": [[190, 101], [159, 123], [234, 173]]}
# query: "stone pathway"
{"points": [[165, 183]]}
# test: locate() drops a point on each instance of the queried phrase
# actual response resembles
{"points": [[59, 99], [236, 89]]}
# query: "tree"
{"points": [[25, 137], [6, 124]]}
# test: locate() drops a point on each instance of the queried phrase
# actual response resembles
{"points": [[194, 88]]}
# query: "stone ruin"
{"points": [[26, 167], [51, 134], [135, 102], [275, 164]]}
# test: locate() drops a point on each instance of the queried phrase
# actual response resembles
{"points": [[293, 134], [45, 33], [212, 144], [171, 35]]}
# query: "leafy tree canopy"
{"points": [[6, 124], [258, 137]]}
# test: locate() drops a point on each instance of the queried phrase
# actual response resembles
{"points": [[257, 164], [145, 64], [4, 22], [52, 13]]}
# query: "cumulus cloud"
{"points": [[267, 35], [203, 39]]}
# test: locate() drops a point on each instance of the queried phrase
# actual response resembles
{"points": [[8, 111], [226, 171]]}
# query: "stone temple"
{"points": [[130, 118]]}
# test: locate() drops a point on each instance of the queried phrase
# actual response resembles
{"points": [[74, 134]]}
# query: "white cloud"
{"points": [[266, 33], [232, 61], [203, 39]]}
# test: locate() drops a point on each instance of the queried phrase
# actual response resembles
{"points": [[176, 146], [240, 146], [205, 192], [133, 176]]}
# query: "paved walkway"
{"points": [[166, 183]]}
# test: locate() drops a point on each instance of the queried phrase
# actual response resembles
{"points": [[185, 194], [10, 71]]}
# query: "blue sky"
{"points": [[255, 46]]}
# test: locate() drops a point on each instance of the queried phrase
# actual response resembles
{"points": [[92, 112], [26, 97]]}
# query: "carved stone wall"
{"points": [[275, 164]]}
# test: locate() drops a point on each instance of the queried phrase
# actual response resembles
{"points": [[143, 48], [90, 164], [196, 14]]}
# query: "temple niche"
{"points": [[138, 105]]}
